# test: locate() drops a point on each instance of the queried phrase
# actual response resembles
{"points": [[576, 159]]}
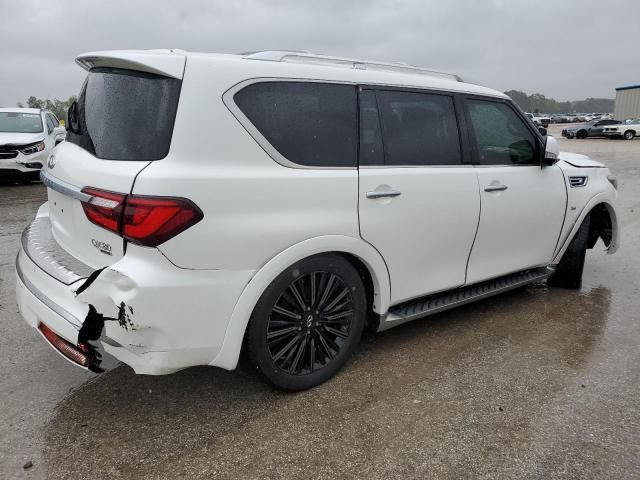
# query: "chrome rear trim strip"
{"points": [[41, 247], [69, 317], [62, 187]]}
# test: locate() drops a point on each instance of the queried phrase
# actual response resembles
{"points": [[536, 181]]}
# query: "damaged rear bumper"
{"points": [[62, 327], [148, 313]]}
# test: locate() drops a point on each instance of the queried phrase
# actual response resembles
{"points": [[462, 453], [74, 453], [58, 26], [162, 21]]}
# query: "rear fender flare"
{"points": [[229, 353]]}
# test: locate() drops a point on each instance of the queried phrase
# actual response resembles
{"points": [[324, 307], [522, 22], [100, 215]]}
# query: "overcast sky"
{"points": [[565, 49]]}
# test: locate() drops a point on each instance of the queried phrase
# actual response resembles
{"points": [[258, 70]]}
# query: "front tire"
{"points": [[629, 134], [307, 323], [569, 271]]}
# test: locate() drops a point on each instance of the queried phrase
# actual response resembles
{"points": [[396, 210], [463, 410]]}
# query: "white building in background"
{"points": [[627, 103]]}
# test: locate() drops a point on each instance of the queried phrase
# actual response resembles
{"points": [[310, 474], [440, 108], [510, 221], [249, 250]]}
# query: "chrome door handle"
{"points": [[383, 193], [495, 188]]}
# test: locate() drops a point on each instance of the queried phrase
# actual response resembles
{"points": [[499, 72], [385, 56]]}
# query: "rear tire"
{"points": [[568, 273], [307, 323]]}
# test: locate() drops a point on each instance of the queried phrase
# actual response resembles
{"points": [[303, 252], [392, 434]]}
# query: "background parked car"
{"points": [[27, 136], [627, 130], [539, 120], [595, 128]]}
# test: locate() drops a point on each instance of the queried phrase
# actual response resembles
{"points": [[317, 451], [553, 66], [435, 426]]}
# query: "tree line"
{"points": [[58, 107], [539, 103]]}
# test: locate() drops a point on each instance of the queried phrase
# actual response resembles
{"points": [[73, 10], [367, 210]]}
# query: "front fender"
{"points": [[609, 202], [230, 351]]}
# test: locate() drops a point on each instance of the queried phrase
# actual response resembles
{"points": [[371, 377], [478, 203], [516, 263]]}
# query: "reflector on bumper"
{"points": [[82, 354]]}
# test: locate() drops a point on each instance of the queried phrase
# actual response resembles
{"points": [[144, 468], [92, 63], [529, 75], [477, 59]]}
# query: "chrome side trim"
{"points": [[41, 247], [495, 188], [576, 181], [69, 317], [62, 187], [383, 193]]}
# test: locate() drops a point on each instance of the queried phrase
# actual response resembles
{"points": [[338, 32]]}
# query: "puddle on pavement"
{"points": [[458, 369]]}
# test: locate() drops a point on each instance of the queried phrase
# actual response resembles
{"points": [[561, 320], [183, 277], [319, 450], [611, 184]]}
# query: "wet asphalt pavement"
{"points": [[536, 383]]}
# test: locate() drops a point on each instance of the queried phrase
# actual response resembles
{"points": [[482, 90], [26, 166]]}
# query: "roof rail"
{"points": [[301, 56]]}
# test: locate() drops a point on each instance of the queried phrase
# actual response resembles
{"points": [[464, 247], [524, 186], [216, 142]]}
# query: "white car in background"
{"points": [[539, 120], [279, 202], [27, 136], [627, 130]]}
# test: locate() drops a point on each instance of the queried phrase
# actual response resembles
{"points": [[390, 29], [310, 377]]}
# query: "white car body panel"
{"points": [[579, 160], [228, 356], [518, 226], [189, 300], [409, 230], [580, 201], [71, 228]]}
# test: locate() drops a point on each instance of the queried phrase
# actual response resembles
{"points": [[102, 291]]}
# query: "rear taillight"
{"points": [[151, 221], [147, 221], [104, 208]]}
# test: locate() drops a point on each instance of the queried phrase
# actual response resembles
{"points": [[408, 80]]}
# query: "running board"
{"points": [[440, 302]]}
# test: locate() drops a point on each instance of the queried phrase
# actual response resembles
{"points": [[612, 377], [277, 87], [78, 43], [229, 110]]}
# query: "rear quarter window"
{"points": [[310, 124], [125, 115]]}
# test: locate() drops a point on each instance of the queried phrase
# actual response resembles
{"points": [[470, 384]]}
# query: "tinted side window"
{"points": [[311, 124], [418, 128], [502, 138]]}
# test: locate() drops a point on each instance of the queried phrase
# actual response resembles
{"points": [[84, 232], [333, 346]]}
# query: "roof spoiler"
{"points": [[161, 62]]}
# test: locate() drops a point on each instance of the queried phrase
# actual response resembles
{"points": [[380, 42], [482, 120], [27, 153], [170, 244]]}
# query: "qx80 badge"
{"points": [[102, 246]]}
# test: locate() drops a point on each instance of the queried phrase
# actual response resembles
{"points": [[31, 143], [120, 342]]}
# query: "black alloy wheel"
{"points": [[307, 323]]}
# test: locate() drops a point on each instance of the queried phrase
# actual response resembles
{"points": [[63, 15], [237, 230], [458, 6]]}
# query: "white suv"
{"points": [[282, 201], [27, 136]]}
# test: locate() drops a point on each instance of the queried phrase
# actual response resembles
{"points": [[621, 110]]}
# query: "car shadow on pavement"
{"points": [[460, 368]]}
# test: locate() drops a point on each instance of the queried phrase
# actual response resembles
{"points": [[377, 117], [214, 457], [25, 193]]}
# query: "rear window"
{"points": [[17, 122], [125, 115], [310, 124]]}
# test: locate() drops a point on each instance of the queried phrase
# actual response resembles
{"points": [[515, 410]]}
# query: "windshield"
{"points": [[18, 122], [124, 115]]}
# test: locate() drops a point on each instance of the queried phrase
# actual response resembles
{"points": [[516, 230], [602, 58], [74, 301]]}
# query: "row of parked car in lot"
{"points": [[595, 125], [604, 128], [544, 120]]}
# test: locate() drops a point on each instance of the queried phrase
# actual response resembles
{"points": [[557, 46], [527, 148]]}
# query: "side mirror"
{"points": [[543, 131], [551, 152]]}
